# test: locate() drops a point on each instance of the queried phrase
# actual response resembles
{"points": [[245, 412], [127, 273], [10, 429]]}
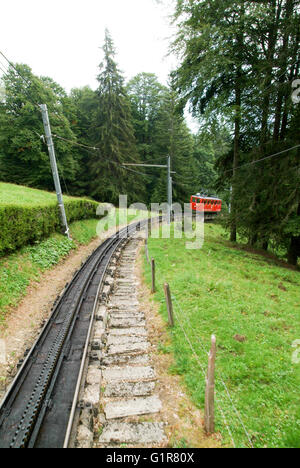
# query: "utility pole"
{"points": [[169, 181], [169, 189], [51, 150]]}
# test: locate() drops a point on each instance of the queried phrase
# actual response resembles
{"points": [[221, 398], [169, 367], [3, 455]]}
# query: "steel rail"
{"points": [[82, 367], [57, 304], [28, 428], [110, 248], [49, 363]]}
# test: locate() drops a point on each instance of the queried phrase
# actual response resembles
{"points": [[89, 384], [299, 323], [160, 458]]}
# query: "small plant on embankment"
{"points": [[252, 305], [20, 268]]}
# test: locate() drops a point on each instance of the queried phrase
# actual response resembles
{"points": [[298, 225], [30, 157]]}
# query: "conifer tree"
{"points": [[238, 63], [173, 138], [113, 134]]}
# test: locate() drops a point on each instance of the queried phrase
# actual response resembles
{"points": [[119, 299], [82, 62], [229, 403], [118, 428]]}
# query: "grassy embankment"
{"points": [[27, 264], [11, 194], [229, 291]]}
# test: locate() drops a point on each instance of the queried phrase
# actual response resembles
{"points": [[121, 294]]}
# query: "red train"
{"points": [[210, 205]]}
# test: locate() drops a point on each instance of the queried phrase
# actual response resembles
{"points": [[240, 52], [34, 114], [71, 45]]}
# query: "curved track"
{"points": [[37, 409]]}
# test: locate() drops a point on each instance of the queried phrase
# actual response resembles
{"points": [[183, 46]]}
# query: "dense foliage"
{"points": [[236, 294], [137, 122], [239, 60], [23, 155], [21, 225]]}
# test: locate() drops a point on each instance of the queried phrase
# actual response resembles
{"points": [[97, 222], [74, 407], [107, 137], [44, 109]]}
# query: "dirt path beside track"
{"points": [[24, 322]]}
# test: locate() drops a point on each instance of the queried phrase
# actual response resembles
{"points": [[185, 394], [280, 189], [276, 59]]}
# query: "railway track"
{"points": [[39, 407]]}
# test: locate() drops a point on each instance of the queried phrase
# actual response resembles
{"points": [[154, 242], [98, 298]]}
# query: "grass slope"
{"points": [[11, 194], [228, 291], [28, 215]]}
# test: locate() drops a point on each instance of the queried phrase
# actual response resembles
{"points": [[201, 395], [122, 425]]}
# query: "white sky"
{"points": [[63, 38]]}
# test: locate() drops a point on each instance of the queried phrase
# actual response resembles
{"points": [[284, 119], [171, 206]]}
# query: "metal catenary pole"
{"points": [[171, 196], [169, 188], [169, 181], [51, 150]]}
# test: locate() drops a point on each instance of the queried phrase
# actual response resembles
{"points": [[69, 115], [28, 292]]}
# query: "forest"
{"points": [[239, 69], [96, 131], [237, 73]]}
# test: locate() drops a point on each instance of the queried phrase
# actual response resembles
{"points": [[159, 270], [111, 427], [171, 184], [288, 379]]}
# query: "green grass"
{"points": [[28, 264], [84, 232], [228, 292], [28, 215], [11, 194]]}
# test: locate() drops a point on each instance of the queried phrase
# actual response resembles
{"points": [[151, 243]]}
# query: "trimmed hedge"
{"points": [[24, 225]]}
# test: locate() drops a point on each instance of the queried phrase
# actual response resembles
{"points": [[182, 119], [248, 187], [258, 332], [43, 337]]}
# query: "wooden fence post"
{"points": [[209, 419], [153, 275], [169, 304]]}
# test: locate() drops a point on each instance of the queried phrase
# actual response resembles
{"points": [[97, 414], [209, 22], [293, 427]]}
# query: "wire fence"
{"points": [[188, 331], [219, 376]]}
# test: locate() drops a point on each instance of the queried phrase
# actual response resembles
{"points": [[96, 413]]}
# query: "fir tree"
{"points": [[173, 138], [113, 134]]}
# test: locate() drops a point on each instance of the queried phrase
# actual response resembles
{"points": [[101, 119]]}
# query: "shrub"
{"points": [[21, 225]]}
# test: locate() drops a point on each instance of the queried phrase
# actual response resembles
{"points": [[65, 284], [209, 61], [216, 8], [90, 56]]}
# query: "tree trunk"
{"points": [[294, 249], [237, 125], [294, 71], [272, 38], [236, 154], [265, 112], [283, 60], [253, 240]]}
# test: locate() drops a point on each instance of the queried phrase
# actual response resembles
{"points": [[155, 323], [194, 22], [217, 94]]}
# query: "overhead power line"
{"points": [[278, 78], [4, 72], [144, 165], [3, 68], [36, 104], [28, 83], [136, 172], [95, 148], [262, 159], [156, 159], [76, 143]]}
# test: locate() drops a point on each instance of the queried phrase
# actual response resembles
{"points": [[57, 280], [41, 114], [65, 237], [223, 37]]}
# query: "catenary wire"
{"points": [[94, 148], [262, 159]]}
